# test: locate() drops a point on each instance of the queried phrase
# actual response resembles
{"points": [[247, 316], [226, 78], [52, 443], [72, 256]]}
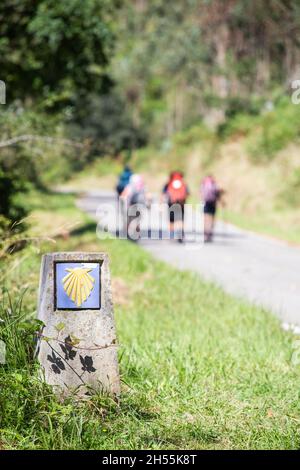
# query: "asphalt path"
{"points": [[264, 271]]}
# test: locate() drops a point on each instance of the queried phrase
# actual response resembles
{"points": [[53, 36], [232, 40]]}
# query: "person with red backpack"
{"points": [[210, 195], [176, 193]]}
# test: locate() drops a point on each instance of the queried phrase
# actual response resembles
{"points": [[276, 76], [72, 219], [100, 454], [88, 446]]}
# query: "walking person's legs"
{"points": [[134, 221], [124, 216], [176, 214], [212, 226], [171, 229], [207, 227], [209, 221], [171, 222], [181, 224]]}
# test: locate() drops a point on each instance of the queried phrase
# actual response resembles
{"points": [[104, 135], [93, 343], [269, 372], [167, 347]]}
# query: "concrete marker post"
{"points": [[77, 346]]}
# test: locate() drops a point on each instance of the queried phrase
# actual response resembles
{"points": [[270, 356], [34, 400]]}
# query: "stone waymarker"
{"points": [[77, 346]]}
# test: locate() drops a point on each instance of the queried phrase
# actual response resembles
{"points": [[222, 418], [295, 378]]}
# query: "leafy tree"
{"points": [[106, 122], [10, 185], [55, 50], [203, 55], [52, 55]]}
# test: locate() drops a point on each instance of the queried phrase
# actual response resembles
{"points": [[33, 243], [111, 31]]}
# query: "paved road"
{"points": [[262, 270]]}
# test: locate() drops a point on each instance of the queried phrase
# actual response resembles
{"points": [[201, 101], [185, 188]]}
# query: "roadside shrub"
{"points": [[274, 130], [291, 195]]}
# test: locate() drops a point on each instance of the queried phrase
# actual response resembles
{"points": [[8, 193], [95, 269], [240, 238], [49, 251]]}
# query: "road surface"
{"points": [[262, 270]]}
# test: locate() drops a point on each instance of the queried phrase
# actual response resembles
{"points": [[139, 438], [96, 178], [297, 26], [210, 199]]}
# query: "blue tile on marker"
{"points": [[79, 278]]}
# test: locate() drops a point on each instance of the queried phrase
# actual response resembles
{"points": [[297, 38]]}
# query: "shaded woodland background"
{"points": [[95, 78]]}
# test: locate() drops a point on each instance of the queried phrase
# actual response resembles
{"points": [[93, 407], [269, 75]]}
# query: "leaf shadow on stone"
{"points": [[68, 349], [57, 364], [87, 364]]}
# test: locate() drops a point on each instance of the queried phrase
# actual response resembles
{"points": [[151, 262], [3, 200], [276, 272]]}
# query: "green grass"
{"points": [[276, 224], [200, 369]]}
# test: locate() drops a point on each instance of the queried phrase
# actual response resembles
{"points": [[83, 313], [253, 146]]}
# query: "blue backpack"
{"points": [[124, 180]]}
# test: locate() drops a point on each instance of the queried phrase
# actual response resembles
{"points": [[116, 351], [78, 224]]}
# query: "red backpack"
{"points": [[177, 189]]}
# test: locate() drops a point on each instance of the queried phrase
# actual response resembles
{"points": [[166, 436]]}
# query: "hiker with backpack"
{"points": [[210, 195], [134, 198], [175, 193], [123, 180]]}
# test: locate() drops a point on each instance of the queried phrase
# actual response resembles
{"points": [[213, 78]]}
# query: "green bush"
{"points": [[266, 133], [193, 135], [291, 194], [11, 208], [275, 129]]}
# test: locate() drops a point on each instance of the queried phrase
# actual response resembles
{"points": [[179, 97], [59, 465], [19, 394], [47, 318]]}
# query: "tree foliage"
{"points": [[53, 56], [54, 50], [183, 61], [115, 73]]}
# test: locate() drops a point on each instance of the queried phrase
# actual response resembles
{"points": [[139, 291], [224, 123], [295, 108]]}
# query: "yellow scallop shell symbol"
{"points": [[78, 284]]}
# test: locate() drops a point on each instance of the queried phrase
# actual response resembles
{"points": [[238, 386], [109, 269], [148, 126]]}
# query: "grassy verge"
{"points": [[279, 225], [200, 369], [52, 214], [101, 174]]}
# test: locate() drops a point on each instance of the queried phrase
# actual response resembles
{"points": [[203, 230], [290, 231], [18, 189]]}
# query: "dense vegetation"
{"points": [[101, 77], [61, 106], [204, 371], [180, 62], [88, 82]]}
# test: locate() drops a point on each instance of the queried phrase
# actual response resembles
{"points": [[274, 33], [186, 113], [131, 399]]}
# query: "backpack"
{"points": [[209, 190], [123, 180], [137, 197], [177, 190], [136, 190]]}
